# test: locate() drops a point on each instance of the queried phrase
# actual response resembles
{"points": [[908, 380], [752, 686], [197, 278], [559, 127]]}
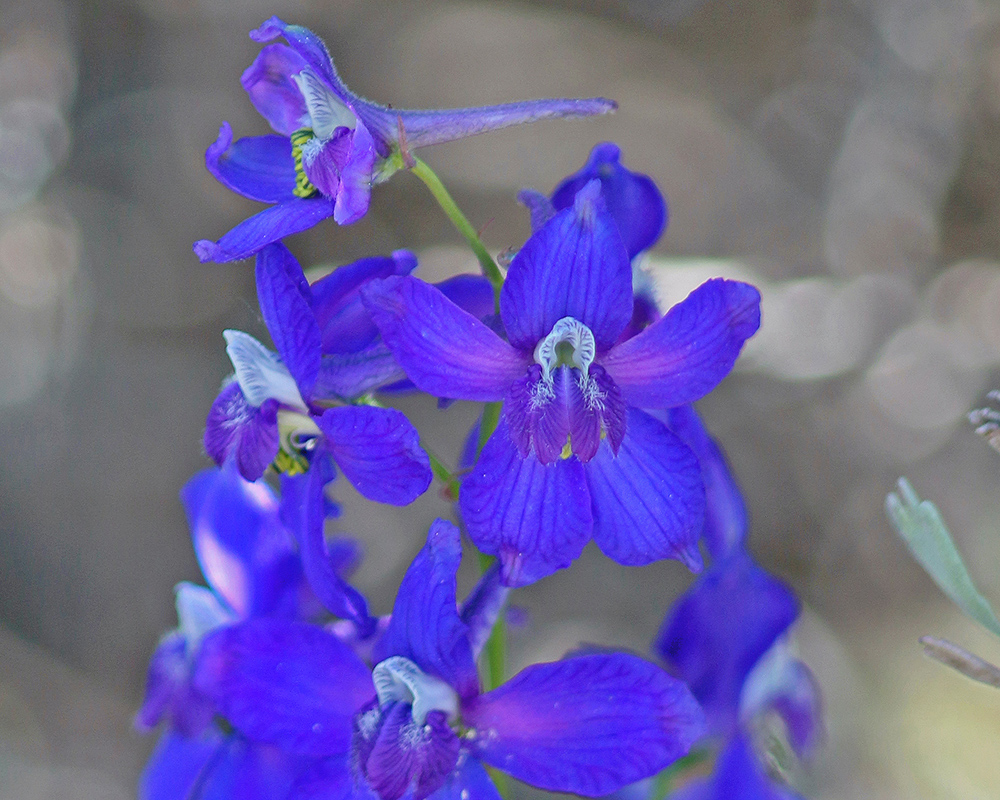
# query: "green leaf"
{"points": [[920, 524]]}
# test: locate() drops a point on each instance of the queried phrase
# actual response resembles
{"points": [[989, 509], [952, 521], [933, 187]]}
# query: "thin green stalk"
{"points": [[461, 222], [443, 474]]}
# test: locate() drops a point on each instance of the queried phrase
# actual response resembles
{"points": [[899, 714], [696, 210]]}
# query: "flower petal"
{"points": [[445, 125], [286, 305], [573, 266], [355, 190], [310, 48], [649, 501], [535, 519], [260, 373], [738, 774], [177, 764], [685, 354], [425, 626], [483, 607], [587, 725], [285, 683], [268, 82], [346, 324], [633, 200], [243, 549], [444, 350], [169, 693], [470, 780], [378, 451], [329, 779], [726, 518], [247, 433], [268, 226], [258, 167], [408, 758], [305, 509], [720, 628], [350, 375]]}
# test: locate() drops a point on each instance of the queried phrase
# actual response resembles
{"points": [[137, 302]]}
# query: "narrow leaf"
{"points": [[920, 524]]}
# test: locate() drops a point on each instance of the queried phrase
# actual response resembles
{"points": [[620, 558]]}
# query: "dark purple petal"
{"points": [[323, 166], [545, 415], [409, 758], [648, 501], [268, 81], [738, 775], [286, 305], [538, 205], [644, 313], [574, 266], [350, 375], [471, 293], [718, 630], [261, 229], [305, 509], [247, 433], [682, 356], [444, 350], [636, 204], [355, 189], [378, 451], [346, 324], [425, 626], [587, 725], [258, 167], [285, 683], [483, 607], [469, 781], [244, 550], [445, 125], [535, 519], [177, 763], [726, 518]]}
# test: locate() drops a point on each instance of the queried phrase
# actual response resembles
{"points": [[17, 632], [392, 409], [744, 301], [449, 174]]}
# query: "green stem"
{"points": [[461, 222], [443, 474]]}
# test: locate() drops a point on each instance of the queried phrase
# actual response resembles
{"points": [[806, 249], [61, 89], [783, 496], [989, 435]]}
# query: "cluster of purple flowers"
{"points": [[279, 682]]}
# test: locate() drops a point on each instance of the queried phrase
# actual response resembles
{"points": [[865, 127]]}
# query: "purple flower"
{"points": [[277, 410], [574, 456], [738, 775], [331, 146], [253, 570], [417, 725], [726, 637], [633, 199]]}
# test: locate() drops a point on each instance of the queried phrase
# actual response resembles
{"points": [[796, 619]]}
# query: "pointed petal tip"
{"points": [[589, 201]]}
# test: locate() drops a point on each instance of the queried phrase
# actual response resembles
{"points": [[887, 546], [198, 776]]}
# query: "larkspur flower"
{"points": [[574, 456], [417, 726], [252, 566], [330, 145], [276, 410], [727, 638]]}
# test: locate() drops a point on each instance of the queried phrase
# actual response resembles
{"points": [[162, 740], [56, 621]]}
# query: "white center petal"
{"points": [[574, 333], [260, 373], [398, 679], [326, 110]]}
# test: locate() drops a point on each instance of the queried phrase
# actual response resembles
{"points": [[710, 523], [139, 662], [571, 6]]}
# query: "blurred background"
{"points": [[845, 156]]}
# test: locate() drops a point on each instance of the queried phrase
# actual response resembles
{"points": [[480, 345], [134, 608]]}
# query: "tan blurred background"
{"points": [[843, 155]]}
